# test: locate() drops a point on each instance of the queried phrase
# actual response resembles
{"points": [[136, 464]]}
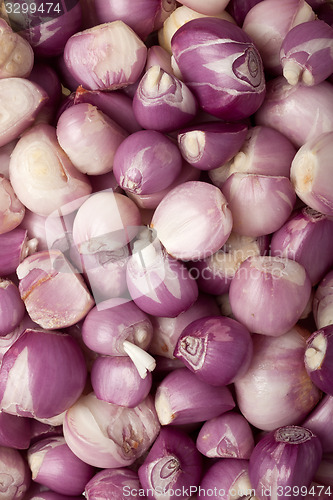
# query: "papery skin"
{"points": [[116, 104], [105, 221], [21, 102], [50, 232], [217, 349], [269, 284], [288, 456], [55, 466], [28, 386], [105, 273], [147, 162], [15, 475], [163, 102], [114, 321], [226, 436], [54, 293], [306, 53], [115, 379], [268, 27], [265, 151], [90, 138], [284, 110], [193, 211], [259, 204], [173, 463], [167, 330], [209, 145], [158, 283], [14, 247], [112, 483], [17, 56], [322, 305], [12, 308], [229, 476], [110, 436], [182, 398], [11, 209], [311, 173], [276, 390], [89, 56], [307, 238], [51, 181], [231, 91]]}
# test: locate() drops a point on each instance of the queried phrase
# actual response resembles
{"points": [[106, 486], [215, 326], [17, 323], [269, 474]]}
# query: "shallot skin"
{"points": [[196, 212], [231, 91]]}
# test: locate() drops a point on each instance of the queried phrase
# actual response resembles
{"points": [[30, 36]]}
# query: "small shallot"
{"points": [[287, 457], [90, 138], [182, 398], [265, 285], [307, 53], [54, 293], [226, 436], [146, 162], [194, 212], [110, 436], [259, 204], [28, 385], [267, 27], [306, 238], [54, 465], [221, 65], [162, 102], [216, 349], [115, 379], [173, 463], [158, 283], [43, 177], [208, 145], [105, 57], [276, 390]]}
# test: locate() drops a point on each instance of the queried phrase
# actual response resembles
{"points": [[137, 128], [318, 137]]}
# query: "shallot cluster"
{"points": [[166, 249]]}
